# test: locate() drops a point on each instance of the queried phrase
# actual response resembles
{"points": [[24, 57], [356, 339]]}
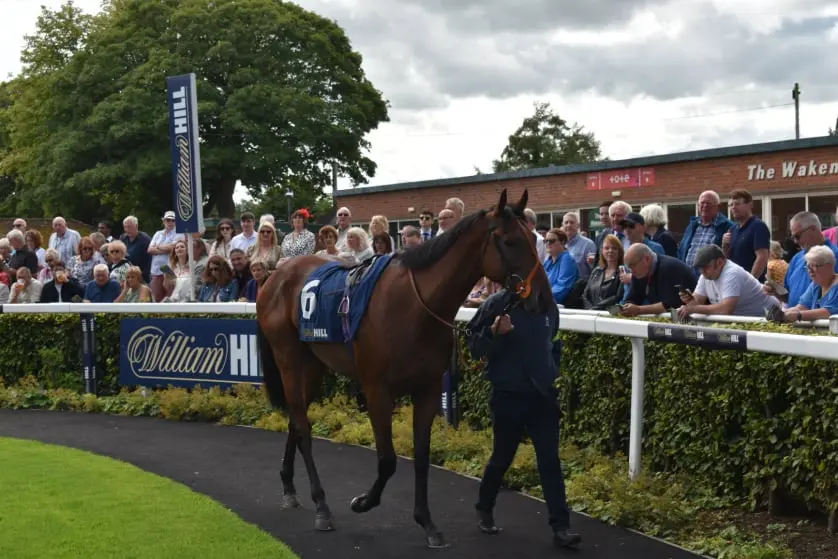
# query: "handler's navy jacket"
{"points": [[521, 357]]}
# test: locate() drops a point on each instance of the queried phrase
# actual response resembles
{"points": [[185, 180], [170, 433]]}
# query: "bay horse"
{"points": [[403, 343]]}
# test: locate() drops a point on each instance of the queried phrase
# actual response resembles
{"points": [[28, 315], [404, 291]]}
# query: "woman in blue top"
{"points": [[821, 298], [560, 266], [219, 284]]}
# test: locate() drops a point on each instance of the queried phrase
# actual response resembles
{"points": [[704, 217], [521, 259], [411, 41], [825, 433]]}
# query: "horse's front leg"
{"points": [[425, 407], [380, 409]]}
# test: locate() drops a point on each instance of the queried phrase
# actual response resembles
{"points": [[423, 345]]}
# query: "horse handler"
{"points": [[522, 365]]}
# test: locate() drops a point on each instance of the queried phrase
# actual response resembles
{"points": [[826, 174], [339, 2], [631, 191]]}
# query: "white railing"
{"points": [[572, 320], [129, 308], [593, 322]]}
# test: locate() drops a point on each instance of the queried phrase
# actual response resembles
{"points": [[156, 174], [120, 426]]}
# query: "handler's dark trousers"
{"points": [[513, 415]]}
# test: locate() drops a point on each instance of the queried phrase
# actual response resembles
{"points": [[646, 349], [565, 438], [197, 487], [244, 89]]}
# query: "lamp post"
{"points": [[289, 195]]}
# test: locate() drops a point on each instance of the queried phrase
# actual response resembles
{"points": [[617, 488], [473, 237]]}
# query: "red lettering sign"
{"points": [[628, 178]]}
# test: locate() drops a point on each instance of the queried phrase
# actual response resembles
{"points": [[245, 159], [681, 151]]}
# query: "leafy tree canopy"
{"points": [[545, 139], [281, 94]]}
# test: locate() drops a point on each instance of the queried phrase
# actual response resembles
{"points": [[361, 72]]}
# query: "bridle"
{"points": [[522, 288]]}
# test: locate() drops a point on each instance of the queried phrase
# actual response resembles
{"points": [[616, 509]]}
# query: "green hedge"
{"points": [[739, 423]]}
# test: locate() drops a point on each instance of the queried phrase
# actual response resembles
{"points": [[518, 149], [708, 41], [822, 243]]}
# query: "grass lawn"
{"points": [[59, 502]]}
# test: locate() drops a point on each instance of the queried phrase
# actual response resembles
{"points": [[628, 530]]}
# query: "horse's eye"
{"points": [[511, 241]]}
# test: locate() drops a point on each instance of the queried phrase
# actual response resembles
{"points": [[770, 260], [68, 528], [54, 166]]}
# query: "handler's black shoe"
{"points": [[486, 523], [566, 538]]}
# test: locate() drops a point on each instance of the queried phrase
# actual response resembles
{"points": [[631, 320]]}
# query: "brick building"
{"points": [[784, 177]]}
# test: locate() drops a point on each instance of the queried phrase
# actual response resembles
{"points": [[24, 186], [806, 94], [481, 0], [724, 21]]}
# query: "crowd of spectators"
{"points": [[633, 266]]}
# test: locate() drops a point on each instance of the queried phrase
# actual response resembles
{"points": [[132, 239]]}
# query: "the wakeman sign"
{"points": [[791, 169], [186, 155], [188, 351]]}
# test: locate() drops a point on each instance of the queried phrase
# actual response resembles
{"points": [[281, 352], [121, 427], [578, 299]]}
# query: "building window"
{"points": [[678, 217], [782, 210], [758, 209], [824, 208], [542, 220], [557, 218], [590, 222]]}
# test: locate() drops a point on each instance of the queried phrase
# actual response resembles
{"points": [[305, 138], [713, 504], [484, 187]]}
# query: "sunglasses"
{"points": [[797, 236], [343, 215], [214, 268], [265, 232], [225, 228]]}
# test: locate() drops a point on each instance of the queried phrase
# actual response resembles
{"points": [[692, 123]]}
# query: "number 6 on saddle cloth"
{"points": [[334, 299]]}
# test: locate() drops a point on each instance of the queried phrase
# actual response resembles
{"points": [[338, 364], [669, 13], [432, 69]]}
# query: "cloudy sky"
{"points": [[646, 76]]}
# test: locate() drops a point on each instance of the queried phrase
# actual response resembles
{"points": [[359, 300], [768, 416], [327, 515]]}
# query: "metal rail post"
{"points": [[638, 378]]}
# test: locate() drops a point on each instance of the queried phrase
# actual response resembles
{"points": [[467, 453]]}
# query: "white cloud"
{"points": [[461, 76]]}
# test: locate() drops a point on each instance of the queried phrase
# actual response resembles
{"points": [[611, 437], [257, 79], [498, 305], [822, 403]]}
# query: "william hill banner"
{"points": [[188, 351], [186, 156]]}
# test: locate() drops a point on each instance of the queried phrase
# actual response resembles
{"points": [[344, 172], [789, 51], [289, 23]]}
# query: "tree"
{"points": [[834, 131], [545, 139], [281, 94], [8, 185]]}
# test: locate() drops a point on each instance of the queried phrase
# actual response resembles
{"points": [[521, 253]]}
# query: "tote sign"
{"points": [[186, 156]]}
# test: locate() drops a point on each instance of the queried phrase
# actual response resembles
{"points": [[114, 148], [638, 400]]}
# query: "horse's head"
{"points": [[511, 257]]}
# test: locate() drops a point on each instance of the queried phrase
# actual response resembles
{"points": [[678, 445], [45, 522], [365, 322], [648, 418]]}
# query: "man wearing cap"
{"points": [[654, 281], [634, 227], [724, 287], [161, 246]]}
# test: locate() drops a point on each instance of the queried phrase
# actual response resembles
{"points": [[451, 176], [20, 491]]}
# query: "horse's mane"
{"points": [[429, 252]]}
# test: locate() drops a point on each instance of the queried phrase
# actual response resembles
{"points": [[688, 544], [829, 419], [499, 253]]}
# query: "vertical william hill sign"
{"points": [[186, 155], [185, 352]]}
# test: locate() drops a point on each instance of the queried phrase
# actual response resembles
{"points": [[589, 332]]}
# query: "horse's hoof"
{"points": [[323, 523], [290, 501], [437, 541], [362, 503]]}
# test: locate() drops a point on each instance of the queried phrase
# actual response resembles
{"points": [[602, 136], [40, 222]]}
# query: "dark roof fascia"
{"points": [[698, 155]]}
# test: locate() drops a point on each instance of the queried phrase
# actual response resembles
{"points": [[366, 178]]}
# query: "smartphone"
{"points": [[623, 270]]}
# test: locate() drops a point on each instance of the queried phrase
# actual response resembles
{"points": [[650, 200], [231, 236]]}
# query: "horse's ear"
{"points": [[522, 203], [501, 203]]}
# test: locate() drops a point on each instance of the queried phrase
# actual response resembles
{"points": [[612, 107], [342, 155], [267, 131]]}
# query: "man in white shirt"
{"points": [[247, 238], [580, 247], [64, 239], [344, 222], [724, 288], [539, 240]]}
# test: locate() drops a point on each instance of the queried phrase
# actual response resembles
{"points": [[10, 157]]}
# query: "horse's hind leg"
{"points": [[380, 409], [303, 372], [425, 407], [289, 491]]}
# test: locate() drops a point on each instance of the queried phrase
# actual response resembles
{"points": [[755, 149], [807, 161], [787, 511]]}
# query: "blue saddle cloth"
{"points": [[329, 311]]}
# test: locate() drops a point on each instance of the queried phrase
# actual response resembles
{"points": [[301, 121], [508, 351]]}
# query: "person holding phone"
{"points": [[724, 288], [653, 281]]}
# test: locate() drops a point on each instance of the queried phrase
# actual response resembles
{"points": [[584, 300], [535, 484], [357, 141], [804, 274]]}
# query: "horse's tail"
{"points": [[270, 371]]}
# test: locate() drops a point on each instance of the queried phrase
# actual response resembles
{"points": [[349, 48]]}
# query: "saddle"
{"points": [[357, 272]]}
